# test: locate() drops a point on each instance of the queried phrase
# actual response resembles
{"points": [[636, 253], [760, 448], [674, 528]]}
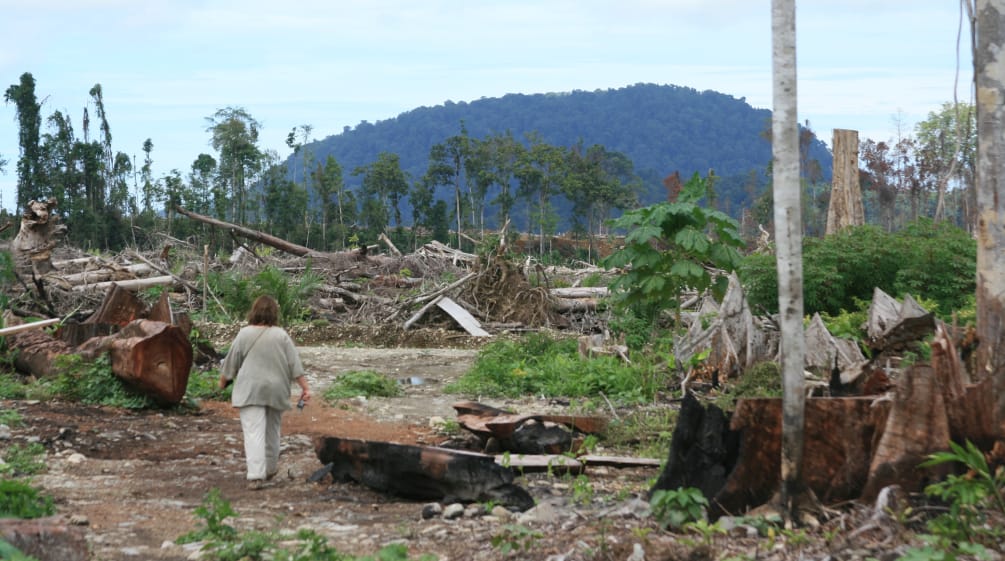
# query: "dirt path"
{"points": [[135, 479]]}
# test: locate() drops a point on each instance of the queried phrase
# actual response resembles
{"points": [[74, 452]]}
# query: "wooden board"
{"points": [[462, 317]]}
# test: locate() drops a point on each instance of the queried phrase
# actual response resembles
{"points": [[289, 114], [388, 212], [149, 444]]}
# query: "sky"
{"points": [[165, 66]]}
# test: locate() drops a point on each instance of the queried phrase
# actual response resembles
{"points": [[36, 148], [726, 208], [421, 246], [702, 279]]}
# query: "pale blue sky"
{"points": [[164, 66]]}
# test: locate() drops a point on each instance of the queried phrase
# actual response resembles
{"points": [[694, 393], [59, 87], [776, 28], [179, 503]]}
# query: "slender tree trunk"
{"points": [[788, 231], [990, 75]]}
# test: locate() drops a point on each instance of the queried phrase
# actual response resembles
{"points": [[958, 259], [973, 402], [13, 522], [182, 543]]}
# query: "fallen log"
{"points": [[151, 356], [260, 237], [36, 348], [421, 472], [135, 284]]}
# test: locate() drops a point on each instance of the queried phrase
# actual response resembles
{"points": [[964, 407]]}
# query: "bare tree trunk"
{"points": [[788, 231], [990, 76]]}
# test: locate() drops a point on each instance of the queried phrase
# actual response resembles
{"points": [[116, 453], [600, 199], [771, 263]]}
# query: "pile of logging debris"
{"points": [[433, 285]]}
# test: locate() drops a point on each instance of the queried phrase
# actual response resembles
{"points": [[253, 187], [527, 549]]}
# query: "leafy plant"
{"points": [[669, 248], [23, 460], [514, 538], [213, 511], [967, 496], [11, 553], [705, 530], [92, 382], [361, 382], [582, 490], [20, 500], [675, 508]]}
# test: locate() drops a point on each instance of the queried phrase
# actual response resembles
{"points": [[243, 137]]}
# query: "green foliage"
{"points": [[968, 497], [10, 417], [238, 292], [514, 538], [361, 382], [582, 490], [10, 553], [930, 260], [222, 542], [20, 500], [205, 385], [537, 364], [92, 382], [667, 249], [23, 460], [761, 380], [675, 508], [848, 324]]}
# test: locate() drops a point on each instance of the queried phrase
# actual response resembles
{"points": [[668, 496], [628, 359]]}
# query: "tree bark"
{"points": [[788, 231], [260, 237], [845, 208], [990, 76], [39, 234]]}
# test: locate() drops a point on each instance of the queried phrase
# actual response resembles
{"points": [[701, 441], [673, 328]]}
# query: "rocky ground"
{"points": [[132, 480]]}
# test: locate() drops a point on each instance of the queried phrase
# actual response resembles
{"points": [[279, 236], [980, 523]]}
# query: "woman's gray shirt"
{"points": [[263, 362]]}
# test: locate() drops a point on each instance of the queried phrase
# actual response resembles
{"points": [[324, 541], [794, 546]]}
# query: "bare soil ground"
{"points": [[136, 478]]}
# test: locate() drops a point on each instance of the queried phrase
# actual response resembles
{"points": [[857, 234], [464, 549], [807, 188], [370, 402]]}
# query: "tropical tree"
{"points": [[29, 117], [947, 156], [540, 175], [234, 134], [330, 190], [597, 182], [384, 185]]}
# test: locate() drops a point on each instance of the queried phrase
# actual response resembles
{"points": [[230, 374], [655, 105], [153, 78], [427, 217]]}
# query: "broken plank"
{"points": [[556, 464], [462, 317]]}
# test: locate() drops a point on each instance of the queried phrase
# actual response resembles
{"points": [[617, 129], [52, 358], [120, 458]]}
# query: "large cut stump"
{"points": [[841, 434], [151, 356], [702, 449], [421, 472], [39, 234], [45, 539]]}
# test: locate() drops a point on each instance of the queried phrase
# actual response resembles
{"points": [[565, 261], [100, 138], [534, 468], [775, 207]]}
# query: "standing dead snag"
{"points": [[40, 232]]}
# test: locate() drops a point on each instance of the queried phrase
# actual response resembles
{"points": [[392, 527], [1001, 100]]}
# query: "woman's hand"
{"points": [[223, 382]]}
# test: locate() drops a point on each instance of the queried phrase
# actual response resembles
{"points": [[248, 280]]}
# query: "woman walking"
{"points": [[263, 362]]}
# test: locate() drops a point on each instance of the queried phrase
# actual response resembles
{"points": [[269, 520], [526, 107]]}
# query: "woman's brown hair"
{"points": [[265, 311]]}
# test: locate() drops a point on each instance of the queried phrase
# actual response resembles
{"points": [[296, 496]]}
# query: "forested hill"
{"points": [[661, 128]]}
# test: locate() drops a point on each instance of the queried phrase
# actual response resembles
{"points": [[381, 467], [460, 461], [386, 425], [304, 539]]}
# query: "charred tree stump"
{"points": [[151, 356], [703, 449], [421, 473]]}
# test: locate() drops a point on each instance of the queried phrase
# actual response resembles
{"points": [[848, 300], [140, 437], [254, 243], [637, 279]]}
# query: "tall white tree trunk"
{"points": [[788, 232], [989, 67]]}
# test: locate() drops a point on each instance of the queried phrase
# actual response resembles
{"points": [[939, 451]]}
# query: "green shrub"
{"points": [[675, 508], [10, 553], [92, 382], [11, 417], [361, 383], [20, 500], [936, 261], [205, 385]]}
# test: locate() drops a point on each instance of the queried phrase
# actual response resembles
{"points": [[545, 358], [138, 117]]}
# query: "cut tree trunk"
{"points": [[36, 349], [151, 356], [39, 234], [260, 237], [421, 473]]}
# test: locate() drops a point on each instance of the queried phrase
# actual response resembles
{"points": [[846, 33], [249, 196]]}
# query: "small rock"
{"points": [[436, 422], [501, 512], [638, 554], [431, 510], [543, 513], [5, 433], [474, 510], [76, 459], [453, 511], [79, 520]]}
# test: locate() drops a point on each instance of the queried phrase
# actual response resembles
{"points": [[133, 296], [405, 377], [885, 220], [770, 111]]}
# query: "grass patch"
{"points": [[365, 383], [93, 383], [11, 418], [20, 500], [540, 365], [761, 380], [23, 460]]}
